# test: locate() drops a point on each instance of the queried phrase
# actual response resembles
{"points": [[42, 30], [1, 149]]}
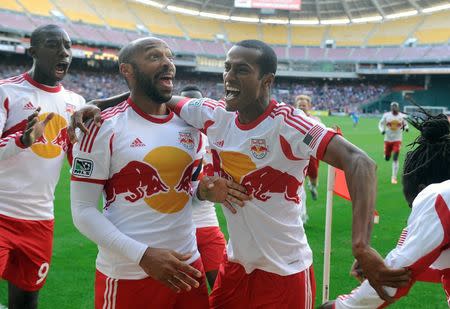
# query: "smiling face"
{"points": [[242, 78], [52, 54], [303, 102], [150, 69]]}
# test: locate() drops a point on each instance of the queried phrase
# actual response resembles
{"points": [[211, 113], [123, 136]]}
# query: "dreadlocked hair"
{"points": [[429, 160]]}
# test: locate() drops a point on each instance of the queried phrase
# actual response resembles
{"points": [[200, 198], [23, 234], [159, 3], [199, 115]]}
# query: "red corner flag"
{"points": [[340, 185]]}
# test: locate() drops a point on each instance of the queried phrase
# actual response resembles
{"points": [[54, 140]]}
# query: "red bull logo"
{"points": [[258, 148], [184, 185], [55, 139], [185, 139], [136, 180]]}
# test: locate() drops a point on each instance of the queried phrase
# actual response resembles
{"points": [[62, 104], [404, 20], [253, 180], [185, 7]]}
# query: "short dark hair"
{"points": [[429, 161], [38, 35], [127, 53], [268, 60]]}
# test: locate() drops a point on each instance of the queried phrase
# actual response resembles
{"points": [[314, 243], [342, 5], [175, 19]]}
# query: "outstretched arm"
{"points": [[360, 172]]}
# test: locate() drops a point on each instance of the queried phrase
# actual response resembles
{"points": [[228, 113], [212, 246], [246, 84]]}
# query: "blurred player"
{"points": [[424, 244], [266, 146], [210, 240], [355, 118], [32, 149], [303, 102], [142, 158], [391, 126]]}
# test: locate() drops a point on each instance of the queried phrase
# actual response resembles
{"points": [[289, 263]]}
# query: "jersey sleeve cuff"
{"points": [[19, 142], [180, 105], [88, 180], [324, 143]]}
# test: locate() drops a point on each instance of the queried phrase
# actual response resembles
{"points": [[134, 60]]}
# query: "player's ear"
{"points": [[268, 79], [126, 70], [31, 51]]}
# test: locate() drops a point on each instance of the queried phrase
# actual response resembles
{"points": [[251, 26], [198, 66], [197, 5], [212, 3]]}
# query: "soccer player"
{"points": [[142, 158], [424, 244], [210, 240], [32, 148], [266, 146], [391, 126], [303, 102]]}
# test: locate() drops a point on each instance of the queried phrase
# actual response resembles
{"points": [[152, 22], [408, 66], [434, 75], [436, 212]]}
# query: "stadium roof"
{"points": [[319, 10]]}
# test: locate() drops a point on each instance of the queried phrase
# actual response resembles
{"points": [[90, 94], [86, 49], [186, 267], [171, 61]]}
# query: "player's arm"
{"points": [[14, 143], [382, 124], [360, 172]]}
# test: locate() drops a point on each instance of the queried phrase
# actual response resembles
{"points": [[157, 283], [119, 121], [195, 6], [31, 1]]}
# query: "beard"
{"points": [[147, 85]]}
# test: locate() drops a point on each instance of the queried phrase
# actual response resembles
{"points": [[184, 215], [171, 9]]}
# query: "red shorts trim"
{"points": [[211, 245], [313, 168], [236, 289], [147, 293], [25, 251], [392, 147]]}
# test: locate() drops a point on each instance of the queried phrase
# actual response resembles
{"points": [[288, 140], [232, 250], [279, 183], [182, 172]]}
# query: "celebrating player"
{"points": [[210, 240], [32, 149], [391, 126], [142, 158], [424, 244], [266, 147]]}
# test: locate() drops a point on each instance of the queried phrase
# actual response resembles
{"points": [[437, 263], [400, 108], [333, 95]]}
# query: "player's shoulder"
{"points": [[73, 97], [428, 196], [11, 82], [206, 102], [111, 114], [292, 118]]}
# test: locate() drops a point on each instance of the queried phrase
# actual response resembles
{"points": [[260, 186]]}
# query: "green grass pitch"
{"points": [[70, 281]]}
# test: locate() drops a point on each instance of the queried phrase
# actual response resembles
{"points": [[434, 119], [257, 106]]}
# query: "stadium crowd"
{"points": [[329, 95]]}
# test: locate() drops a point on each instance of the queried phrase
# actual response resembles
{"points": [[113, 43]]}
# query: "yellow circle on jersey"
{"points": [[395, 125], [44, 147], [236, 164], [170, 162]]}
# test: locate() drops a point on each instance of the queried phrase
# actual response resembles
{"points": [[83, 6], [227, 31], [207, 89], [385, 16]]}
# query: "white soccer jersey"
{"points": [[145, 165], [393, 125], [204, 212], [422, 248], [28, 176], [270, 158]]}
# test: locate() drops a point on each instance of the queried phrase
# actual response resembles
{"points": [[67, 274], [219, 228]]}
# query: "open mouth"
{"points": [[231, 93], [61, 68], [166, 80]]}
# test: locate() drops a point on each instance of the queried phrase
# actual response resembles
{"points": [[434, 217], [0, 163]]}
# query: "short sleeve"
{"points": [[303, 136], [92, 154], [199, 113]]}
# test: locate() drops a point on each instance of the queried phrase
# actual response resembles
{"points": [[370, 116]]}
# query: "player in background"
{"points": [[266, 146], [424, 244], [303, 102], [34, 112], [391, 125], [142, 158], [210, 240], [355, 118]]}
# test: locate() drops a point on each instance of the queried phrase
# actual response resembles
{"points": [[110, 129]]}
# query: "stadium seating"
{"points": [[240, 31], [15, 22], [275, 34], [41, 7], [78, 11], [157, 21], [115, 13], [307, 35], [199, 28], [350, 35], [10, 5], [435, 29], [393, 32]]}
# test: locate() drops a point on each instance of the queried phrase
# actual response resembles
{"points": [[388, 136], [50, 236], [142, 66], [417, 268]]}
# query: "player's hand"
{"points": [[35, 128], [383, 132], [327, 305], [221, 190], [379, 275], [356, 272], [80, 117], [169, 268]]}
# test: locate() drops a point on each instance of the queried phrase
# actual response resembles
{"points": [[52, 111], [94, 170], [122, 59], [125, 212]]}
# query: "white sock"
{"points": [[394, 169]]}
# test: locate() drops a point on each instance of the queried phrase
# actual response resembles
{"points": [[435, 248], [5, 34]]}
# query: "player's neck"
{"points": [[41, 78], [251, 112], [147, 105]]}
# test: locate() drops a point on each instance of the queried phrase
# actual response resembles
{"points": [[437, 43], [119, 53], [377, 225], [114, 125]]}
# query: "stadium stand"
{"points": [[78, 11], [41, 7], [275, 34], [393, 32], [435, 29], [115, 13], [240, 31], [10, 5], [307, 35], [199, 28], [350, 35]]}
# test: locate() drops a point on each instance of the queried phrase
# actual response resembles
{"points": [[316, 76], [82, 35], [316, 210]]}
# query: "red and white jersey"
{"points": [[28, 176], [145, 164], [269, 157], [423, 248], [393, 125], [204, 212]]}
